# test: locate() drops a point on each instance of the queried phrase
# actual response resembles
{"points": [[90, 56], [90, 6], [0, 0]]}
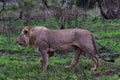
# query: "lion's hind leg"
{"points": [[89, 49], [96, 62], [75, 58]]}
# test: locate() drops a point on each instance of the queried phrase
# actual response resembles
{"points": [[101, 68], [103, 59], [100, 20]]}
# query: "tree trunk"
{"points": [[109, 9], [4, 2]]}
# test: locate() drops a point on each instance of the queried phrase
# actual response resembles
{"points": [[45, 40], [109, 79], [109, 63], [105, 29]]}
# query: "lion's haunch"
{"points": [[48, 41]]}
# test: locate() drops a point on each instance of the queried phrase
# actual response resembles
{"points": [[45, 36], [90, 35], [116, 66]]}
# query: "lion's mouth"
{"points": [[20, 43]]}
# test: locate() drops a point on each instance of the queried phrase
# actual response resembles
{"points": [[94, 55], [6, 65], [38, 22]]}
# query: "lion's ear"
{"points": [[26, 30]]}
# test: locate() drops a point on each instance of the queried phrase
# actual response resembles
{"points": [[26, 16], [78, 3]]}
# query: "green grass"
{"points": [[27, 66], [20, 63]]}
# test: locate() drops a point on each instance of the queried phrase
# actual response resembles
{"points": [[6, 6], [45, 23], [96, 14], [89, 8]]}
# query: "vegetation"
{"points": [[21, 63]]}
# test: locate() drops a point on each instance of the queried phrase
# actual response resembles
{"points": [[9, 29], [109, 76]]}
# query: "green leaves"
{"points": [[24, 64]]}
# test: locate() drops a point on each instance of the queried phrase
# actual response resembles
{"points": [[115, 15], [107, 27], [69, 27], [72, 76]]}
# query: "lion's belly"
{"points": [[61, 47]]}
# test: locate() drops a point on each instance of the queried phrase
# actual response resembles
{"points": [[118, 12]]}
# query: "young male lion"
{"points": [[48, 41]]}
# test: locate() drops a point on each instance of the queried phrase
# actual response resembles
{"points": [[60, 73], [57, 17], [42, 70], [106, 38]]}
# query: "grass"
{"points": [[20, 63]]}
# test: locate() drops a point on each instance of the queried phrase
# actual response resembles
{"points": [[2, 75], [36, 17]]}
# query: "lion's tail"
{"points": [[96, 50]]}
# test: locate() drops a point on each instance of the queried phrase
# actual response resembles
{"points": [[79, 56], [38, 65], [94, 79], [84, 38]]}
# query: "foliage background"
{"points": [[21, 63]]}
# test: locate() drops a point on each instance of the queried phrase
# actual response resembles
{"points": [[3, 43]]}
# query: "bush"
{"points": [[13, 7]]}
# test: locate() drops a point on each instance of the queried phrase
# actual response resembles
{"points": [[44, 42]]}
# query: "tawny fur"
{"points": [[48, 41]]}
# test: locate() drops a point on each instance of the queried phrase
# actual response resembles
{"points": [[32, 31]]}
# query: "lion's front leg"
{"points": [[44, 59], [41, 60]]}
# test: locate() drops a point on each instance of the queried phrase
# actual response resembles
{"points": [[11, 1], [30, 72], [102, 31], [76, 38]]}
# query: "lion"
{"points": [[47, 41]]}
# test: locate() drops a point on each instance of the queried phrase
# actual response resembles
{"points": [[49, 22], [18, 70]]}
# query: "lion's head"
{"points": [[23, 38], [28, 34]]}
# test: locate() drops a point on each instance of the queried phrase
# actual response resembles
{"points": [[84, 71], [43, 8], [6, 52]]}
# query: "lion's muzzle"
{"points": [[21, 40]]}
